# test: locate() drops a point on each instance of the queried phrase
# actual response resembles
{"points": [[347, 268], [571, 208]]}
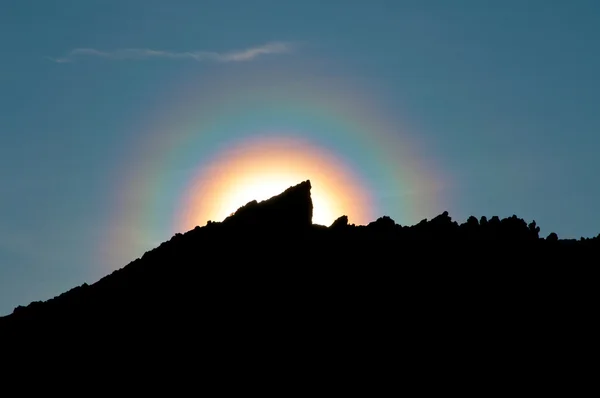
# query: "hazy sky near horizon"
{"points": [[500, 97]]}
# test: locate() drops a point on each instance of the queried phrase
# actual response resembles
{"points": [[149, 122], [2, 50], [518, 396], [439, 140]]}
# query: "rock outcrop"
{"points": [[292, 210]]}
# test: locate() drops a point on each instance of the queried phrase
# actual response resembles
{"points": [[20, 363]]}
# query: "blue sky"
{"points": [[504, 93]]}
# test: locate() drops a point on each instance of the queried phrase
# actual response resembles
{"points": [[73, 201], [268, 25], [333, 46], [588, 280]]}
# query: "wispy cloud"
{"points": [[247, 54]]}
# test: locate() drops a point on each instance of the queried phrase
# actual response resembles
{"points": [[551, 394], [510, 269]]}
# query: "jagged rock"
{"points": [[290, 210], [383, 223], [443, 218], [341, 222]]}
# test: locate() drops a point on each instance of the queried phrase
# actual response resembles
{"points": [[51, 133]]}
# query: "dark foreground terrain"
{"points": [[266, 282]]}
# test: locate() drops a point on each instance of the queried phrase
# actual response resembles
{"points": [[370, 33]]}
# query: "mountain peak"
{"points": [[291, 209]]}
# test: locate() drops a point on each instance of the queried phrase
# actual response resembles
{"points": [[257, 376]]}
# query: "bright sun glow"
{"points": [[259, 170], [262, 186]]}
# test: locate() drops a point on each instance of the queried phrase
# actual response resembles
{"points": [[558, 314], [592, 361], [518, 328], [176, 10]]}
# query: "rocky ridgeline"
{"points": [[269, 256]]}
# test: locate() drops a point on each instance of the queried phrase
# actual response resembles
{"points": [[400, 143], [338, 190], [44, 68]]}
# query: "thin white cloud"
{"points": [[247, 54]]}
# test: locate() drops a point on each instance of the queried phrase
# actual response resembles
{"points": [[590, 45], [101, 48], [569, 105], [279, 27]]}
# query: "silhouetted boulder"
{"points": [[383, 223], [341, 222], [534, 229]]}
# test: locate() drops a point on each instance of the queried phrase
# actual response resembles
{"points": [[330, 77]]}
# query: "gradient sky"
{"points": [[502, 96]]}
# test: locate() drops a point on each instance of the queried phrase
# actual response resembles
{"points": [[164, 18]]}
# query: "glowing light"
{"points": [[260, 169], [217, 141]]}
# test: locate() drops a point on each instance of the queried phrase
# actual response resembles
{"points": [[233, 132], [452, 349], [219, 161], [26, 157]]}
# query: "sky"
{"points": [[111, 113]]}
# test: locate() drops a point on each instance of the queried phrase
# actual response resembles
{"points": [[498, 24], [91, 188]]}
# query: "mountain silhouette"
{"points": [[266, 279]]}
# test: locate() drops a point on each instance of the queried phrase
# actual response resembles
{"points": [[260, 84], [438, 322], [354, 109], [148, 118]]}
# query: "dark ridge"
{"points": [[267, 275]]}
